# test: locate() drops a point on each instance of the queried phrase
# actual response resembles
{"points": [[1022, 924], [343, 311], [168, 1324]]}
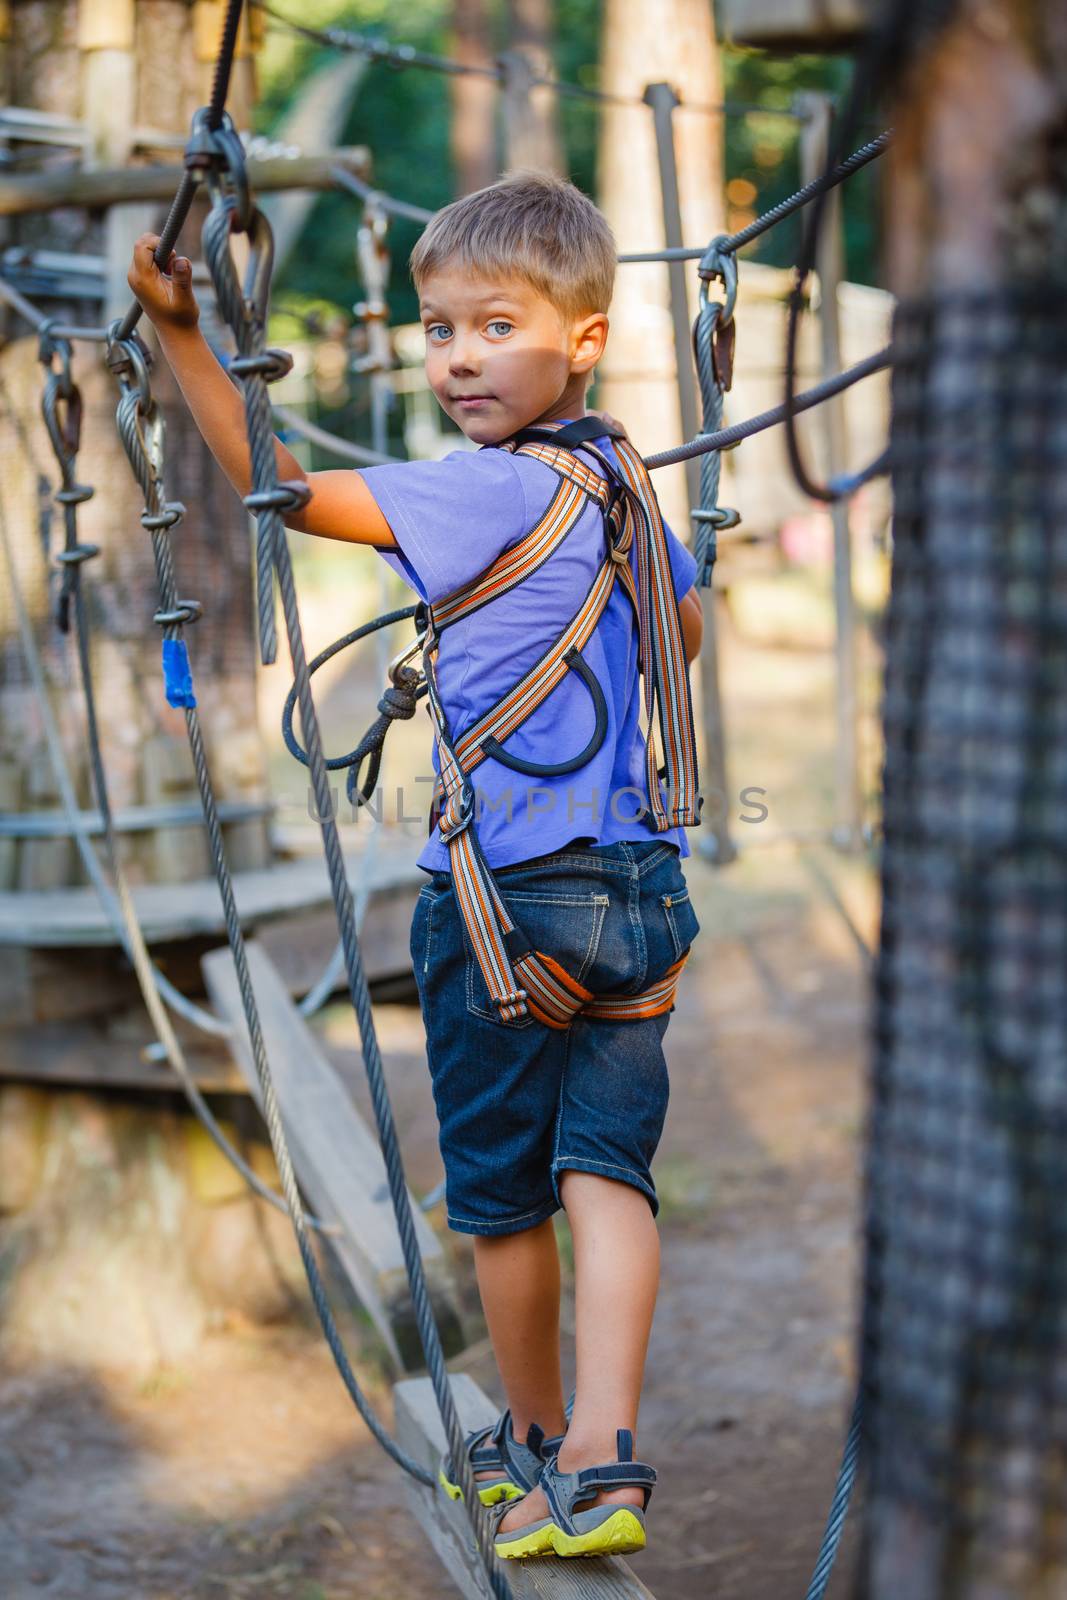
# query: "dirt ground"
{"points": [[248, 1474]]}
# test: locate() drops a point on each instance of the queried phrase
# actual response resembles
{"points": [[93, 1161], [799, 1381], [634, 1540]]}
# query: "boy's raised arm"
{"points": [[341, 506]]}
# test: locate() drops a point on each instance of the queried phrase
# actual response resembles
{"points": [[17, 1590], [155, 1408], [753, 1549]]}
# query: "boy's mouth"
{"points": [[472, 402]]}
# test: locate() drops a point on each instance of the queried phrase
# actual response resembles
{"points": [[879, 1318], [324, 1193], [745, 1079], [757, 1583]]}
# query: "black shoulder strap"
{"points": [[582, 431]]}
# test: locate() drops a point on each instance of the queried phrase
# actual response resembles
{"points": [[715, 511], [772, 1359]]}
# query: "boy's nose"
{"points": [[462, 360]]}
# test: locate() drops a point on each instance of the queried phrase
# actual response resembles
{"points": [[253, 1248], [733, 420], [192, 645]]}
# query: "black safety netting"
{"points": [[964, 1356]]}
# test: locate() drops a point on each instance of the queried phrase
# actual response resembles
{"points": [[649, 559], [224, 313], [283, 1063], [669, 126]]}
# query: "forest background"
{"points": [[405, 117]]}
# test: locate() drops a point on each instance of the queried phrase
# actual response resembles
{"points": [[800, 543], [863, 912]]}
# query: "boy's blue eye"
{"points": [[501, 328], [437, 328]]}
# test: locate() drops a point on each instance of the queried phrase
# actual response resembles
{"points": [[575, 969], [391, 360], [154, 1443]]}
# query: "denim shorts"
{"points": [[518, 1102]]}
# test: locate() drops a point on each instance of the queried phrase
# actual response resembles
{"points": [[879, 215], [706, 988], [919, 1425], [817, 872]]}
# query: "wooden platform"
{"points": [[69, 918], [336, 1157], [419, 1430]]}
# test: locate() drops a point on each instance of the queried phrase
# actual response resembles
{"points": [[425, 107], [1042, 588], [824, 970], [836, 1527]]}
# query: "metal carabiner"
{"points": [[400, 662], [720, 264]]}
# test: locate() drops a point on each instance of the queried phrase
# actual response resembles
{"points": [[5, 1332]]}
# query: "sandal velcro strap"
{"points": [[567, 1491]]}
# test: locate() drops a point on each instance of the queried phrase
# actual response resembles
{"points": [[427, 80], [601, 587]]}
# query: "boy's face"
{"points": [[499, 356]]}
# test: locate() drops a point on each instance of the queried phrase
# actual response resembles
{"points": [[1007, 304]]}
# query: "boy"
{"points": [[514, 285]]}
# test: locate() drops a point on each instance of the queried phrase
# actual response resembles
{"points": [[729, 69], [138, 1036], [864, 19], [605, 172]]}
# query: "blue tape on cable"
{"points": [[177, 674]]}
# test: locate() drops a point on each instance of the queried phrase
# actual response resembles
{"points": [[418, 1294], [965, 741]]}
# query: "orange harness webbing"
{"points": [[519, 978]]}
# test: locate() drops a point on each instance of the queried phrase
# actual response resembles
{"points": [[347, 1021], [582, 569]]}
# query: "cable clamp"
{"points": [[290, 495], [77, 554], [75, 494], [270, 365], [184, 611], [159, 521]]}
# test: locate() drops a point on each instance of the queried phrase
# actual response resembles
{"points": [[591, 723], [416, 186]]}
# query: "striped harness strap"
{"points": [[520, 979]]}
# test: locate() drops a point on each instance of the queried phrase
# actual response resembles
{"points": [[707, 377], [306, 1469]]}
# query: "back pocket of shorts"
{"points": [[565, 926], [681, 919]]}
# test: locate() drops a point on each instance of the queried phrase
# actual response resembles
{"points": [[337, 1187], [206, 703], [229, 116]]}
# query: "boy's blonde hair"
{"points": [[532, 226]]}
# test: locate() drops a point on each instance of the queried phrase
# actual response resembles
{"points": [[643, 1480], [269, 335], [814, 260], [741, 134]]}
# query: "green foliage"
{"points": [[403, 117]]}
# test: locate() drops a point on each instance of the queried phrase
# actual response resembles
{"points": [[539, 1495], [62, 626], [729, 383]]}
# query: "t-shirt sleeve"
{"points": [[450, 518], [683, 563]]}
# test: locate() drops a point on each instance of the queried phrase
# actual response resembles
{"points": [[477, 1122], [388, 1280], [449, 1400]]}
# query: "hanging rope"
{"points": [[714, 335], [61, 395], [246, 314]]}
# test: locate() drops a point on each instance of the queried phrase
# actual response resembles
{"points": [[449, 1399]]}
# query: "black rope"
{"points": [[220, 85], [725, 437], [403, 55]]}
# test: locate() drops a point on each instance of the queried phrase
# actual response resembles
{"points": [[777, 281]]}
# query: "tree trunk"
{"points": [[965, 1317], [531, 119], [117, 66], [673, 42], [474, 98]]}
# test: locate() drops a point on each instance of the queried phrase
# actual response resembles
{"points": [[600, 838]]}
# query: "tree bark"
{"points": [[531, 113], [673, 42], [474, 99]]}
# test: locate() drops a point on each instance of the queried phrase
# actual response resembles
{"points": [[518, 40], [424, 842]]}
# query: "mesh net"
{"points": [[965, 1320]]}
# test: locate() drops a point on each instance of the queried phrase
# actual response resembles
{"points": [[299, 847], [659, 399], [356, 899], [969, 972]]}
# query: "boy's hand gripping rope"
{"points": [[246, 314]]}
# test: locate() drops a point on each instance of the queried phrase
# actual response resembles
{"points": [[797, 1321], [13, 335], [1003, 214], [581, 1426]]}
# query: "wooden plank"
{"points": [[336, 1157], [87, 1055], [419, 1430], [70, 917], [66, 186]]}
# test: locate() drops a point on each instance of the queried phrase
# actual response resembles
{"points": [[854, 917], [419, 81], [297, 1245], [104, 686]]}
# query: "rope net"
{"points": [[964, 1359]]}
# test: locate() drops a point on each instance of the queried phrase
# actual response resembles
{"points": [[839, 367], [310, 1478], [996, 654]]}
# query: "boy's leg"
{"points": [[518, 1279], [616, 1267]]}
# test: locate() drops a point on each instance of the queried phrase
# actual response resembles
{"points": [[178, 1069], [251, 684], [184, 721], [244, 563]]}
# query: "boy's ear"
{"points": [[589, 336]]}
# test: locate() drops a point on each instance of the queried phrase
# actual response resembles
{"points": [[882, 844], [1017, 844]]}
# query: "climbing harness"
{"points": [[519, 978]]}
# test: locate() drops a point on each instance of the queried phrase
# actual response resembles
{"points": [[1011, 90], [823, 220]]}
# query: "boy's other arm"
{"points": [[691, 613], [341, 506]]}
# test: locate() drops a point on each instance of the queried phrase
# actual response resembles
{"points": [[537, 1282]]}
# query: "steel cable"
{"points": [[246, 316]]}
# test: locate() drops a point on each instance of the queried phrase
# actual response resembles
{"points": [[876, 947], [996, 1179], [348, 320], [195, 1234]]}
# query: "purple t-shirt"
{"points": [[451, 520]]}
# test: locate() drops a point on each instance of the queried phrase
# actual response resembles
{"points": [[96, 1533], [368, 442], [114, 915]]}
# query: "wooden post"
{"points": [[814, 137], [672, 41]]}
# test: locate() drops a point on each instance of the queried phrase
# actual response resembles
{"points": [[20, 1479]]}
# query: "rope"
{"points": [[38, 321], [835, 1521], [730, 243], [404, 55], [371, 196], [118, 902], [708, 330], [245, 313], [140, 422], [724, 438]]}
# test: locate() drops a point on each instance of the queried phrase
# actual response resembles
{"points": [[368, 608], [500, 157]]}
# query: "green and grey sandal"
{"points": [[516, 1465], [604, 1530]]}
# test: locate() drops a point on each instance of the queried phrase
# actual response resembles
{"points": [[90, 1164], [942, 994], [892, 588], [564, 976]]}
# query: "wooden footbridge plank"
{"points": [[70, 917], [336, 1157], [419, 1430]]}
